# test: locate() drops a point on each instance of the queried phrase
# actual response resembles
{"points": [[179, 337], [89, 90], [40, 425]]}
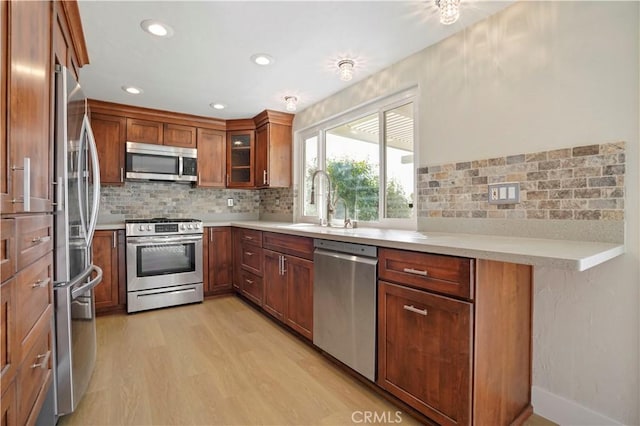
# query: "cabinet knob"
{"points": [[41, 283], [44, 360]]}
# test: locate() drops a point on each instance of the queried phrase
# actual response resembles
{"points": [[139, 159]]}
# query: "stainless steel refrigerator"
{"points": [[77, 188]]}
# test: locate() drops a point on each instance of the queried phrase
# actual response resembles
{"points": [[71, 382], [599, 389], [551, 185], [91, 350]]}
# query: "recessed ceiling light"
{"points": [[216, 105], [132, 90], [156, 28], [262, 59]]}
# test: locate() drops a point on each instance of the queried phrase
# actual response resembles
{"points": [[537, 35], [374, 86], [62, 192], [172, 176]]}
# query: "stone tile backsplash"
{"points": [[276, 201], [165, 199], [584, 183]]}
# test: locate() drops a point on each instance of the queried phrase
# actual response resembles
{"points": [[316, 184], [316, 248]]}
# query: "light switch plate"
{"points": [[229, 202], [504, 193]]}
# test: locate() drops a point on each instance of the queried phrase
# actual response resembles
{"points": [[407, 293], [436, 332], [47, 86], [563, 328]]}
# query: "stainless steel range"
{"points": [[164, 263]]}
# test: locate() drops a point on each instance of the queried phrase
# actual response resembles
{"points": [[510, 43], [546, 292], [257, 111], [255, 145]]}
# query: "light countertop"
{"points": [[559, 254]]}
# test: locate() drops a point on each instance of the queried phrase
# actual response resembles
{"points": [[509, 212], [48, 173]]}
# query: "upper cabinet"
{"points": [[177, 135], [273, 149], [211, 158], [25, 29], [145, 131], [110, 134], [240, 162]]}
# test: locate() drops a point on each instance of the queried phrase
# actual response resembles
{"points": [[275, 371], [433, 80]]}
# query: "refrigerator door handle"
{"points": [[91, 284], [80, 175], [95, 165]]}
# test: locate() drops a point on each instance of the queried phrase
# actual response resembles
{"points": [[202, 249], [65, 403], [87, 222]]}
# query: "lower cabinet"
{"points": [[454, 336], [109, 253], [9, 406], [217, 260], [288, 281], [424, 352]]}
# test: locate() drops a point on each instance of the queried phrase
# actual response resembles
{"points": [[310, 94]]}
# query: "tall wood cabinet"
{"points": [[26, 164], [34, 37]]}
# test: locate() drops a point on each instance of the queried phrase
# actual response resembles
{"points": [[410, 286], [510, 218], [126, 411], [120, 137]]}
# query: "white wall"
{"points": [[539, 76]]}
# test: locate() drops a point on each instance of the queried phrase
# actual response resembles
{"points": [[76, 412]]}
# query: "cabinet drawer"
{"points": [[34, 236], [34, 371], [7, 249], [252, 287], [251, 236], [289, 244], [34, 293], [252, 258], [443, 274]]}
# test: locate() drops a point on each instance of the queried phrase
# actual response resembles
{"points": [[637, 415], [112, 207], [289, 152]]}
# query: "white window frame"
{"points": [[379, 106]]}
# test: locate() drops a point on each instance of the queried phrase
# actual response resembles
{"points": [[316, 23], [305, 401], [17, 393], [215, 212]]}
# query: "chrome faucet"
{"points": [[347, 222], [324, 221]]}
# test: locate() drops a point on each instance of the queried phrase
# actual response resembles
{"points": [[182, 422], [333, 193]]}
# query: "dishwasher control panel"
{"points": [[350, 248]]}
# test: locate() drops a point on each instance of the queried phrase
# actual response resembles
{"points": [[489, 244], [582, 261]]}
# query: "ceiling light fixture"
{"points": [[132, 90], [291, 102], [156, 28], [216, 105], [262, 59], [345, 67], [449, 11]]}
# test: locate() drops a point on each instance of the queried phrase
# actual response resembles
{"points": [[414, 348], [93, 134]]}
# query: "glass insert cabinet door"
{"points": [[240, 158]]}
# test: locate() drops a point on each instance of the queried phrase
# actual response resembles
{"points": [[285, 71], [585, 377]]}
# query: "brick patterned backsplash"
{"points": [[165, 199], [584, 183], [276, 201]]}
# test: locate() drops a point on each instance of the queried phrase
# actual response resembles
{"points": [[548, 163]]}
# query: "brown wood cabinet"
{"points": [[9, 406], [273, 149], [217, 260], [9, 357], [424, 354], [179, 135], [455, 343], [26, 34], [145, 131], [212, 158], [247, 264], [110, 132], [288, 281], [240, 159], [109, 254]]}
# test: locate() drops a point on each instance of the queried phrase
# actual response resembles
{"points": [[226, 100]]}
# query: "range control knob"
{"points": [[183, 226], [149, 227], [189, 226], [197, 226], [141, 227]]}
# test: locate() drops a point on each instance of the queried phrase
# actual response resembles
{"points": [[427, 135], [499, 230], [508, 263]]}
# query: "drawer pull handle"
{"points": [[40, 240], [246, 237], [248, 281], [44, 360], [412, 308], [415, 271], [248, 253], [41, 283]]}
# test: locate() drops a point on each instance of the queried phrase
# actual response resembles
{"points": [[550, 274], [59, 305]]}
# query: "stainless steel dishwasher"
{"points": [[344, 303]]}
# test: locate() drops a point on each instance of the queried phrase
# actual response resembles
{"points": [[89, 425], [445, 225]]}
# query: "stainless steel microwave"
{"points": [[160, 162]]}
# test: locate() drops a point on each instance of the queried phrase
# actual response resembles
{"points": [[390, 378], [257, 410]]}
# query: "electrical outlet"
{"points": [[277, 201], [504, 193], [229, 202]]}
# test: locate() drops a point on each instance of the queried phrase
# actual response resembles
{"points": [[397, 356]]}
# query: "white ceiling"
{"points": [[207, 59]]}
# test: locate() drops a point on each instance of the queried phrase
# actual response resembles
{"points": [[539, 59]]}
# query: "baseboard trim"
{"points": [[566, 412]]}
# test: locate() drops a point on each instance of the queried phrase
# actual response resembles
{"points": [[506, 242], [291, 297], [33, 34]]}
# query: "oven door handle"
{"points": [[164, 240]]}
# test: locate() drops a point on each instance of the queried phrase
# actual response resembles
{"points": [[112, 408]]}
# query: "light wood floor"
{"points": [[217, 363]]}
